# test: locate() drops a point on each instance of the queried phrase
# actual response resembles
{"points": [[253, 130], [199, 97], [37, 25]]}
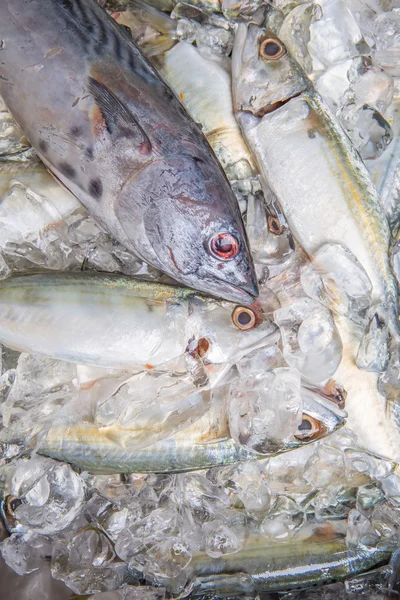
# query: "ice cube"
{"points": [[385, 523], [150, 407], [363, 466], [367, 497], [369, 131], [337, 280], [283, 520], [360, 531], [167, 559], [285, 472], [265, 410], [295, 32], [245, 484], [373, 353], [261, 360], [86, 563], [325, 467], [204, 499], [328, 505], [139, 534], [51, 494], [25, 552], [220, 539], [334, 37], [311, 342]]}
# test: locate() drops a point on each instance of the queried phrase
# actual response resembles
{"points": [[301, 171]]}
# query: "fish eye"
{"points": [[243, 318], [274, 225], [11, 503], [310, 428], [272, 49], [224, 245]]}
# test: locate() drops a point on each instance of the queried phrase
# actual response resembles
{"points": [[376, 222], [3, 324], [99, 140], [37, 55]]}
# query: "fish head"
{"points": [[226, 332], [265, 76], [320, 418], [191, 226]]}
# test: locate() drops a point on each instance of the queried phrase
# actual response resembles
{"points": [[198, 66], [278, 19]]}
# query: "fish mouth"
{"points": [[275, 105], [244, 294]]}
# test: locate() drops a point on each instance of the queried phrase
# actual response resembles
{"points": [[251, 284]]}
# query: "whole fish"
{"points": [[326, 194], [108, 127], [204, 444], [262, 567], [322, 184], [113, 321]]}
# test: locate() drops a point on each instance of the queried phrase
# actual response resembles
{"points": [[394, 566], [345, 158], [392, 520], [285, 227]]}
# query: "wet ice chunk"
{"points": [[204, 499], [295, 32], [261, 360], [143, 532], [360, 463], [220, 539], [369, 131], [283, 520], [337, 280], [51, 494], [367, 498], [149, 408], [334, 37], [325, 467], [167, 559], [359, 530], [311, 342], [265, 410], [86, 563], [373, 353], [25, 552], [245, 484]]}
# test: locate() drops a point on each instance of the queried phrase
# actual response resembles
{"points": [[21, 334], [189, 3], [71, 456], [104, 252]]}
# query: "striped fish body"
{"points": [[112, 132]]}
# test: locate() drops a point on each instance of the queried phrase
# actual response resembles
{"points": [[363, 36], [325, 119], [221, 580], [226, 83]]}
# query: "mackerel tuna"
{"points": [[107, 126], [107, 320], [204, 444], [262, 567]]}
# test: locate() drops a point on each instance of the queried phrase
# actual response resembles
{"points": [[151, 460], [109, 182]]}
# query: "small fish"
{"points": [[262, 567], [113, 321], [206, 443], [108, 127], [326, 194], [322, 184]]}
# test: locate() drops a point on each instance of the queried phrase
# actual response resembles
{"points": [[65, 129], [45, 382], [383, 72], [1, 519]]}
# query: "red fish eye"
{"points": [[224, 245]]}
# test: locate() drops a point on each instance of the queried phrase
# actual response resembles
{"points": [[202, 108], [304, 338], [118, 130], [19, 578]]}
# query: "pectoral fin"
{"points": [[119, 120]]}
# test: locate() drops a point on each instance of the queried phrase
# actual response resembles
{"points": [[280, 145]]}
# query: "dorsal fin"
{"points": [[119, 120]]}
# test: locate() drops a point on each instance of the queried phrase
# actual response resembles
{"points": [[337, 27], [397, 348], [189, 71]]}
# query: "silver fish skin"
{"points": [[321, 182], [108, 127], [107, 320], [202, 445], [260, 567]]}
